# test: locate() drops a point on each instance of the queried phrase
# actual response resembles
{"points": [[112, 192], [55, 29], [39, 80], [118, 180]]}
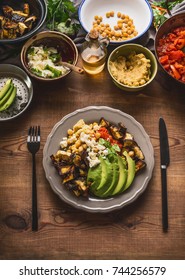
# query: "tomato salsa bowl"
{"points": [[170, 47]]}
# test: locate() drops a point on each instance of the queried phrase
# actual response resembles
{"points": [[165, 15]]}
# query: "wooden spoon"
{"points": [[72, 67]]}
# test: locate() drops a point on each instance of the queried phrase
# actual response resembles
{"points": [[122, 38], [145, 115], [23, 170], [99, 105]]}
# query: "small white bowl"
{"points": [[138, 10]]}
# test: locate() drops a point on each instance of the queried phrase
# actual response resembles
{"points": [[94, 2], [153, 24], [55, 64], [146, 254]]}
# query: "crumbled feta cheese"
{"points": [[63, 144]]}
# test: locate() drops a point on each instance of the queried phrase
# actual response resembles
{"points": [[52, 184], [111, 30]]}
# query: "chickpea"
{"points": [[70, 132], [108, 14], [78, 143], [80, 149], [120, 25], [129, 23], [97, 135], [118, 14], [124, 25]]}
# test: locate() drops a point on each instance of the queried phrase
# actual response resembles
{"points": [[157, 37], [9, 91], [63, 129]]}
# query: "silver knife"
{"points": [[165, 160]]}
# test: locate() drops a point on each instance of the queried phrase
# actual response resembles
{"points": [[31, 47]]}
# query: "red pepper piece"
{"points": [[164, 59], [175, 72], [175, 55], [179, 43]]}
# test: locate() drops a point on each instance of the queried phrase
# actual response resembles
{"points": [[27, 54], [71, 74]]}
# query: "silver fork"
{"points": [[33, 144]]}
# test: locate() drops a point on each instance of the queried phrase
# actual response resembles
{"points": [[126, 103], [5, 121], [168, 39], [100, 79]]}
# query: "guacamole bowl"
{"points": [[92, 203], [132, 67]]}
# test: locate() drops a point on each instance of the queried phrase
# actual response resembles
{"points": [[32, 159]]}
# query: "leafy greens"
{"points": [[60, 11], [160, 10]]}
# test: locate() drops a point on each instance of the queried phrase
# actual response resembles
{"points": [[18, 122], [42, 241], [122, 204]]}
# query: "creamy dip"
{"points": [[133, 70]]}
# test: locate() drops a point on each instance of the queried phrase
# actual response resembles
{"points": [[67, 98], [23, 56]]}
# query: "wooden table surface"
{"points": [[133, 232]]}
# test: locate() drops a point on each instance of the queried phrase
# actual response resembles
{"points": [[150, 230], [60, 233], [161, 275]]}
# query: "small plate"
{"points": [[91, 114], [24, 90]]}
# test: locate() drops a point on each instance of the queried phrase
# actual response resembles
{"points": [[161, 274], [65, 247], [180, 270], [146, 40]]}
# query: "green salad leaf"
{"points": [[111, 148], [160, 10], [60, 11]]}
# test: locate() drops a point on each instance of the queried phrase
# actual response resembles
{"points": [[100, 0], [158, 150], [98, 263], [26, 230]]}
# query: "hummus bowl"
{"points": [[91, 203], [132, 67]]}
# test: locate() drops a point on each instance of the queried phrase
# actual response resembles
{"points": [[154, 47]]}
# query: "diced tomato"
{"points": [[166, 67], [175, 55], [179, 43], [172, 36], [171, 47], [175, 72], [171, 53], [164, 59], [104, 133], [182, 70]]}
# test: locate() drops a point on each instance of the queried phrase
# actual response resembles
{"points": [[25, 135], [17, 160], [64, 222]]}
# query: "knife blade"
{"points": [[165, 161]]}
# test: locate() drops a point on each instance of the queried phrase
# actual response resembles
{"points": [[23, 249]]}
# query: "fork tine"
{"points": [[38, 134], [29, 134]]}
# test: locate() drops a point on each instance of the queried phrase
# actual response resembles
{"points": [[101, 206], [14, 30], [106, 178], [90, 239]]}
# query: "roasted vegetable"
{"points": [[104, 123], [15, 24], [116, 133], [130, 145], [139, 164], [73, 171]]}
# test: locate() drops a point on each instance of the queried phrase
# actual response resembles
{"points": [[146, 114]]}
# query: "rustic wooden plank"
{"points": [[134, 232]]}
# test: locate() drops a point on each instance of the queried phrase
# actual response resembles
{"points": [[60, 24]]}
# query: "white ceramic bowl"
{"points": [[139, 10]]}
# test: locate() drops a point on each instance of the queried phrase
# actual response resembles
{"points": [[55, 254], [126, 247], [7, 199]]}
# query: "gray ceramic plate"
{"points": [[24, 90], [90, 114]]}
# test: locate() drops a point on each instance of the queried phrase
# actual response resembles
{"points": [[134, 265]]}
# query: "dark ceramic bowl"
{"points": [[170, 24], [37, 8], [64, 45]]}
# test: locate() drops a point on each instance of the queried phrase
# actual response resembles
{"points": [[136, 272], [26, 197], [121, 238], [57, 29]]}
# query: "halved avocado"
{"points": [[106, 178], [131, 170], [115, 176], [122, 176]]}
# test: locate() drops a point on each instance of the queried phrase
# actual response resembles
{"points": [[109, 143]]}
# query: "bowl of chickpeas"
{"points": [[121, 21], [132, 67]]}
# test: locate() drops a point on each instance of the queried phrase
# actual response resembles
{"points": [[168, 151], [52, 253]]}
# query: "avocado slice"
{"points": [[10, 100], [5, 88], [123, 174], [6, 96], [131, 170], [94, 176], [115, 176], [106, 178]]}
